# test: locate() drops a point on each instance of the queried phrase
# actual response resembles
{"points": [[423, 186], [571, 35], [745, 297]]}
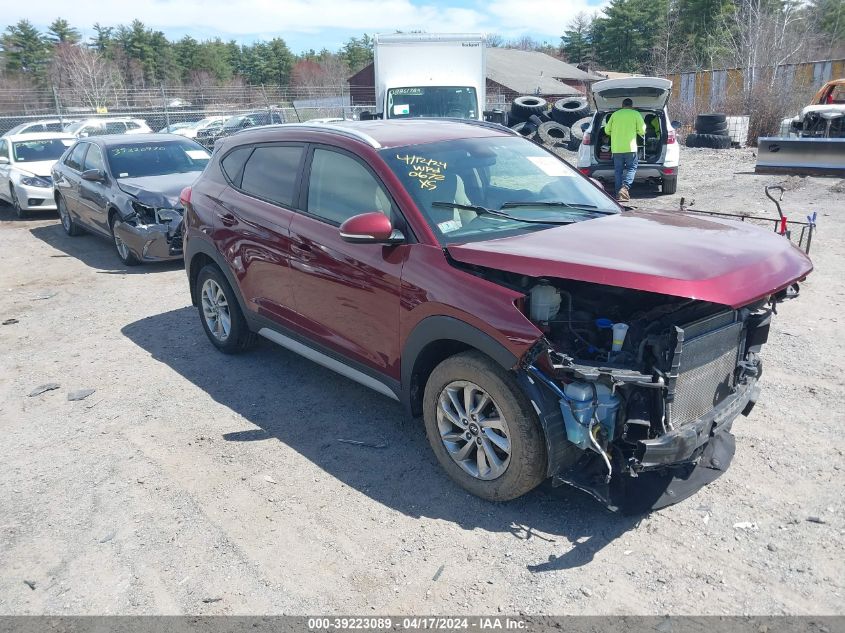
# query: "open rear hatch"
{"points": [[647, 93]]}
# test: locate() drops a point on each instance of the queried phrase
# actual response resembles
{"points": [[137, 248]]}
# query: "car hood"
{"points": [[684, 255], [39, 168], [160, 192]]}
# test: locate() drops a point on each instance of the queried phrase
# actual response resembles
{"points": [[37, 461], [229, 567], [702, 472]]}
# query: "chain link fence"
{"points": [[161, 107]]}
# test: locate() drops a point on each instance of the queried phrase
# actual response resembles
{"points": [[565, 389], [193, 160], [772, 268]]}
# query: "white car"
{"points": [[25, 163], [41, 125], [659, 152], [209, 122], [112, 125]]}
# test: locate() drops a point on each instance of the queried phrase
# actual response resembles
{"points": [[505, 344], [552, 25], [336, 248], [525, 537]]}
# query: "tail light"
{"points": [[668, 171], [670, 138], [587, 140], [185, 196], [584, 170]]}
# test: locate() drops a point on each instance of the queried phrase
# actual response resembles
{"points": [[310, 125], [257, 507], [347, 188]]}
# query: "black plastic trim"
{"points": [[445, 328]]}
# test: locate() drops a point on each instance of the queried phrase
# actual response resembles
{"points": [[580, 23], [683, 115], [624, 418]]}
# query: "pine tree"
{"points": [[25, 50], [102, 39], [61, 32], [576, 45]]}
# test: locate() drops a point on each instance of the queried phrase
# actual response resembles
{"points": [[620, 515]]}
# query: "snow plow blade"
{"points": [[801, 156]]}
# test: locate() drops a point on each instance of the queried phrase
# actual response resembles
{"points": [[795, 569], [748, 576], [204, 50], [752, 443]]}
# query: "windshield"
{"points": [[75, 127], [432, 101], [156, 159], [207, 122], [34, 151], [516, 186]]}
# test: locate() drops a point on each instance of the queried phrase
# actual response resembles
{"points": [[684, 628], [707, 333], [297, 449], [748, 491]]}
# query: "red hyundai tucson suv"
{"points": [[539, 329]]}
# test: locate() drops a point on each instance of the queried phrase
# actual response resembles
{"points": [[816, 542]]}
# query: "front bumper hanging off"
{"points": [[152, 242], [660, 471]]}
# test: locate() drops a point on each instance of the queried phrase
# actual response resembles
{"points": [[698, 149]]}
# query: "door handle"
{"points": [[227, 219], [302, 249]]}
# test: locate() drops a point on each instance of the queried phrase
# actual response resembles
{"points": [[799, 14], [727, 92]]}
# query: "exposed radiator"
{"points": [[708, 361]]}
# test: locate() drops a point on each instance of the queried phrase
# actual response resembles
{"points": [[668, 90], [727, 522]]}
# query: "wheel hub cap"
{"points": [[215, 309], [473, 430]]}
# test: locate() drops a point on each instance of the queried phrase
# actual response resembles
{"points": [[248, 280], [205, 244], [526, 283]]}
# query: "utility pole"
{"points": [[58, 105], [166, 111]]}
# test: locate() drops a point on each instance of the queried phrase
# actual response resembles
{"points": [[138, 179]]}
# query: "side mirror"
{"points": [[83, 134], [370, 228], [4, 160], [94, 175], [676, 124]]}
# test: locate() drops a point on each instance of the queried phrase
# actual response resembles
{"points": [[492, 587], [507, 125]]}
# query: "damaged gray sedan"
{"points": [[127, 189]]}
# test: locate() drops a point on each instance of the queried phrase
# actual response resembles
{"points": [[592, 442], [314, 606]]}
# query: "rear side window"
{"points": [[74, 160], [233, 164], [271, 173], [54, 127], [115, 127], [131, 125]]}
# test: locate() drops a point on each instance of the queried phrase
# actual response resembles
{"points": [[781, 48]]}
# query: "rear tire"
{"points": [[68, 224], [670, 185], [505, 430], [220, 313]]}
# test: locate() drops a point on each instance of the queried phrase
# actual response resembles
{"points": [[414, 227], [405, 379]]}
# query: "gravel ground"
{"points": [[191, 482]]}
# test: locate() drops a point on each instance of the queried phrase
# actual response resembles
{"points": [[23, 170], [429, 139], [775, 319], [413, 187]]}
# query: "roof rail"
{"points": [[339, 129]]}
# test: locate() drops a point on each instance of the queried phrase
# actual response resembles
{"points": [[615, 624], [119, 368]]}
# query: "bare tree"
{"points": [[762, 38], [87, 74], [668, 55]]}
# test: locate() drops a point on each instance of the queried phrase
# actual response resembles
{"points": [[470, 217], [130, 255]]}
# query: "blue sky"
{"points": [[308, 24]]}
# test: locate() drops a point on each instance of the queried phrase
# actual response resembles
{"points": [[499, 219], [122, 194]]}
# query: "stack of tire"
{"points": [[711, 131], [562, 126]]}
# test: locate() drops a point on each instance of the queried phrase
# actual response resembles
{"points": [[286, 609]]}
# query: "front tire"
{"points": [[16, 204], [220, 312], [122, 249], [482, 428]]}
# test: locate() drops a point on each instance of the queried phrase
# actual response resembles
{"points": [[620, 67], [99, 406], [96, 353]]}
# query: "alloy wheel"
{"points": [[215, 310], [473, 430], [63, 215], [122, 248], [16, 204]]}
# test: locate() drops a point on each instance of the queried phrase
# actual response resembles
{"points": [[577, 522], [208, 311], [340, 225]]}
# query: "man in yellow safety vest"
{"points": [[623, 127]]}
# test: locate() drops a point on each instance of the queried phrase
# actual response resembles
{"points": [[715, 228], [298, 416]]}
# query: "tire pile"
{"points": [[562, 125], [711, 130]]}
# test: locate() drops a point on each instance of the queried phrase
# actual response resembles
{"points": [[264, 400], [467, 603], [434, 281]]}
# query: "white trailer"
{"points": [[430, 75]]}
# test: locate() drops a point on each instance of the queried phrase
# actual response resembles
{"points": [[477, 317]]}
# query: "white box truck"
{"points": [[430, 75]]}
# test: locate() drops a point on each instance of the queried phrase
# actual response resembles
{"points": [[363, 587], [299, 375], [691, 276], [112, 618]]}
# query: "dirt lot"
{"points": [[192, 482]]}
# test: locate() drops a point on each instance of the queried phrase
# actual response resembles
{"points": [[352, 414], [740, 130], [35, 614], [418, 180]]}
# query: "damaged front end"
{"points": [[152, 232], [637, 391]]}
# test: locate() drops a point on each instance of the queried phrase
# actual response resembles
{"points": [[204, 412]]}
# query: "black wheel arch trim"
{"points": [[445, 328], [195, 247]]}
